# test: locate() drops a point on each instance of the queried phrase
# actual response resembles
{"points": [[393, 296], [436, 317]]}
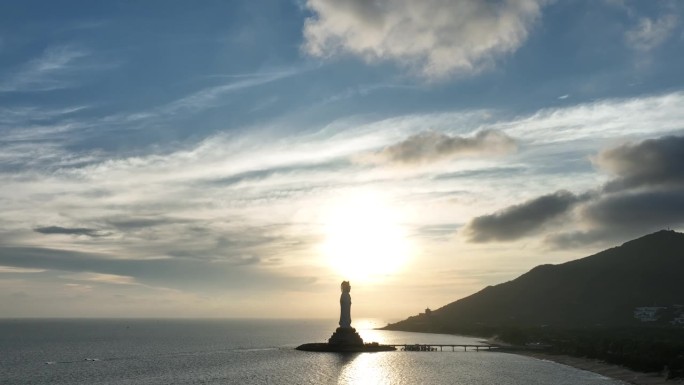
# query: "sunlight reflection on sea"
{"points": [[146, 352]]}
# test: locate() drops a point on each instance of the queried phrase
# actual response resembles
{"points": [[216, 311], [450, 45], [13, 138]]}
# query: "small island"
{"points": [[345, 339]]}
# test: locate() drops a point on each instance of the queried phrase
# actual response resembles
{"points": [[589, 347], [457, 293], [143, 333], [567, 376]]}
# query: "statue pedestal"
{"points": [[346, 337], [346, 340]]}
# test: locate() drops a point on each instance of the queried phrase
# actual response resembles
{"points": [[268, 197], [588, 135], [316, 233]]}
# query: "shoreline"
{"points": [[603, 368], [616, 372]]}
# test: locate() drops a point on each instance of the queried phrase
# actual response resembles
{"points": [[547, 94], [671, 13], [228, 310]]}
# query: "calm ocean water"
{"points": [[246, 352]]}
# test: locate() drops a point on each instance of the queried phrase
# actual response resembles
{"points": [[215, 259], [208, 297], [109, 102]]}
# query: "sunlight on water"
{"points": [[368, 323], [218, 352], [365, 369], [459, 369]]}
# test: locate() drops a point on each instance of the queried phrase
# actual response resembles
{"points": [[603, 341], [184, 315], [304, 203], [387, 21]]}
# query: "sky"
{"points": [[241, 158]]}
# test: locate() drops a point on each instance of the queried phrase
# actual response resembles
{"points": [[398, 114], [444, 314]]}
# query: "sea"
{"points": [[246, 351]]}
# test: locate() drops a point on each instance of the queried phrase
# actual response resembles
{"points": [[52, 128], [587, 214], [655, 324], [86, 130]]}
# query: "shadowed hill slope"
{"points": [[600, 290]]}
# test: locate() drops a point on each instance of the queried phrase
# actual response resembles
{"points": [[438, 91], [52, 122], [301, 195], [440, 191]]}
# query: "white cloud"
{"points": [[435, 38], [604, 119], [649, 33]]}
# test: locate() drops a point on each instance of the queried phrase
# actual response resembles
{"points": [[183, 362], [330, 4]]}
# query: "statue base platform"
{"points": [[346, 340], [345, 336], [365, 348]]}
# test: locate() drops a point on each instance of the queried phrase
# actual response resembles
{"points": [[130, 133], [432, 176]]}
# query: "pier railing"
{"points": [[440, 347]]}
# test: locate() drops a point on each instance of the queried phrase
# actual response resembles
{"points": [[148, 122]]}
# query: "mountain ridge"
{"points": [[603, 289]]}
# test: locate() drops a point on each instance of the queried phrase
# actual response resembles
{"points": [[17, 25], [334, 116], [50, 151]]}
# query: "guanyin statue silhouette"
{"points": [[345, 305]]}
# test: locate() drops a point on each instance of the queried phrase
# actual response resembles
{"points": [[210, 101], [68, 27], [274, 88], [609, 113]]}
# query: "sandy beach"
{"points": [[613, 371]]}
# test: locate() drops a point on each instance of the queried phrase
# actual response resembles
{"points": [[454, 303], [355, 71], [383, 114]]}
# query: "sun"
{"points": [[363, 237]]}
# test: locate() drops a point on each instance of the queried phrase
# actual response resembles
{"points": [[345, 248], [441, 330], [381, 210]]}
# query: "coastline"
{"points": [[616, 372], [600, 367]]}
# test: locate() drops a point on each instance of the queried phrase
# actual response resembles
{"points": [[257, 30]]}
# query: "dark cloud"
{"points": [[574, 239], [522, 219], [640, 209], [620, 216], [69, 231], [646, 195], [431, 146], [649, 163]]}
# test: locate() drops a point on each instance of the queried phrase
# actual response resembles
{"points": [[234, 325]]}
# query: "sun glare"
{"points": [[364, 239]]}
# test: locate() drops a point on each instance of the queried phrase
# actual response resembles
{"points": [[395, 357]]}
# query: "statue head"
{"points": [[346, 287]]}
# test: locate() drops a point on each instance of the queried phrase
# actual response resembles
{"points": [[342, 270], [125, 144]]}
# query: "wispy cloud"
{"points": [[245, 207], [608, 118], [47, 72], [191, 274], [36, 153], [101, 278], [205, 98], [651, 33], [52, 127], [20, 115], [24, 124], [19, 270]]}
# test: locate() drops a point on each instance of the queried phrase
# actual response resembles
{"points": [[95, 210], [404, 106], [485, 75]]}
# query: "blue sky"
{"points": [[239, 158]]}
